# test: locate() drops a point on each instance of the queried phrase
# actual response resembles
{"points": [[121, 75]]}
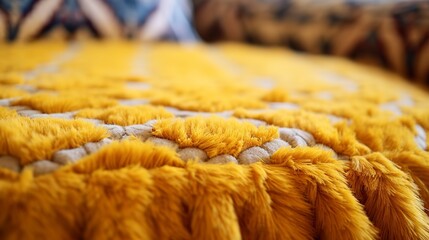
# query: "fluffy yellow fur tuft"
{"points": [[37, 139], [214, 135]]}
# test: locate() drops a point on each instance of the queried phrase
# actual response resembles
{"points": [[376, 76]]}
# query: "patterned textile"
{"points": [[143, 19], [394, 34], [207, 142]]}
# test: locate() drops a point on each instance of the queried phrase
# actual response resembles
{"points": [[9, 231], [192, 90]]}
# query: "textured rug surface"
{"points": [[118, 140]]}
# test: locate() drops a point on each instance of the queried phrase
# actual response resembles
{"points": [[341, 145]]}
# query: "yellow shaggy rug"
{"points": [[120, 140]]}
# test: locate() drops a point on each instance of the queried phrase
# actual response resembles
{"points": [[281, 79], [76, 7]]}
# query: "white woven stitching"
{"points": [[421, 137], [288, 137]]}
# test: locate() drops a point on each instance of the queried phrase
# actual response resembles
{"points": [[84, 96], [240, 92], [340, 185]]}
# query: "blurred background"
{"points": [[389, 33]]}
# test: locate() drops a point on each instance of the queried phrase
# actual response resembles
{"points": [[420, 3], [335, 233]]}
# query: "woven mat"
{"points": [[119, 140]]}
